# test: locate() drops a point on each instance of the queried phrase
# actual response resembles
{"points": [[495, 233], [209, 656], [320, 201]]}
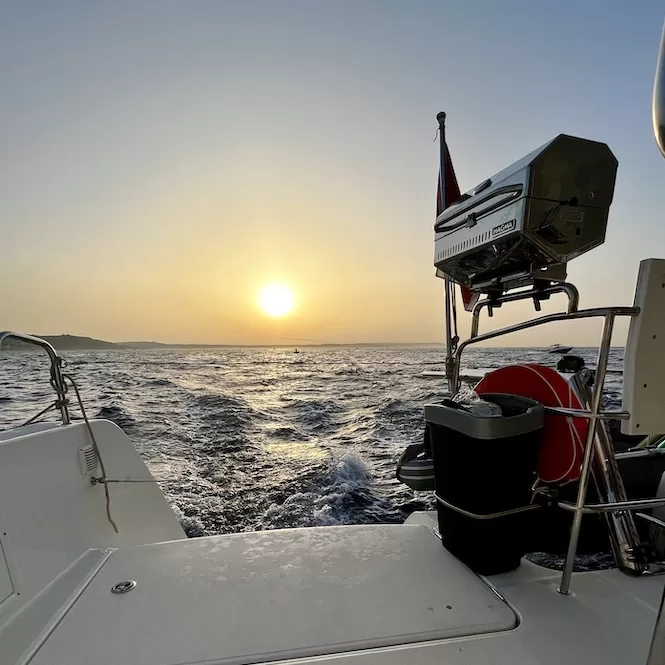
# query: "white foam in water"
{"points": [[341, 493], [192, 526]]}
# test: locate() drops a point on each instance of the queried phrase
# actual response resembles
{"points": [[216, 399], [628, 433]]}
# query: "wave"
{"points": [[583, 563], [227, 412], [343, 496], [315, 413], [398, 409], [159, 382], [348, 371], [234, 443], [287, 433], [191, 525], [119, 416], [391, 372], [431, 396], [199, 503], [82, 361]]}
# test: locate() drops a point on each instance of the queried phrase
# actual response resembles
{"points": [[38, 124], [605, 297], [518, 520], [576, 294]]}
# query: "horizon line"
{"points": [[82, 340]]}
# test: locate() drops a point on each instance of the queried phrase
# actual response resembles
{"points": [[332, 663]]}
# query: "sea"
{"points": [[244, 439]]}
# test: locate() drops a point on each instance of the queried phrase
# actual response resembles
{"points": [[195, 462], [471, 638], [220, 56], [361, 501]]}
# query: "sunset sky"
{"points": [[163, 161]]}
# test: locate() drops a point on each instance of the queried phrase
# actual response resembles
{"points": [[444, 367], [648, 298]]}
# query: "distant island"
{"points": [[77, 343], [64, 343]]}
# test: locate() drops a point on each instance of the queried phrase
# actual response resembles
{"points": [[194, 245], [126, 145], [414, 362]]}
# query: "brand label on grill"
{"points": [[504, 228]]}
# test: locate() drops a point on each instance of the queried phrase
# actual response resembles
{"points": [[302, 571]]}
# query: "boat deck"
{"points": [[265, 596], [365, 594]]}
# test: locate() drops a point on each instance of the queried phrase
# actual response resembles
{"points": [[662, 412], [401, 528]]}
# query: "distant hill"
{"points": [[78, 343], [65, 343], [143, 345]]}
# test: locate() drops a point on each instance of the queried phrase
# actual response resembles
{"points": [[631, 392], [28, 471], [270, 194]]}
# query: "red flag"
{"points": [[453, 194], [452, 188]]}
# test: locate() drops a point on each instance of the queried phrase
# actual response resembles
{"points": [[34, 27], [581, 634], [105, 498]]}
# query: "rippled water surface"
{"points": [[244, 439]]}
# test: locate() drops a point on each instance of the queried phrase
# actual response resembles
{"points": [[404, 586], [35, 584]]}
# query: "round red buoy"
{"points": [[563, 439]]}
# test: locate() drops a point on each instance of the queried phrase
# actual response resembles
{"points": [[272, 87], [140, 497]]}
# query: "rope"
{"points": [[58, 384], [40, 414], [96, 447], [62, 399]]}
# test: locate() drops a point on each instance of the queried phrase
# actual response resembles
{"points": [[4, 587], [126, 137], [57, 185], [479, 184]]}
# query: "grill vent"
{"points": [[463, 246]]}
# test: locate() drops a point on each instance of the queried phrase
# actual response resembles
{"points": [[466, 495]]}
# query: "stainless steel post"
{"points": [[589, 449], [451, 361], [624, 537]]}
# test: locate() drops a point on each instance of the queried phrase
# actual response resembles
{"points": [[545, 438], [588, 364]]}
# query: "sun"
{"points": [[276, 299]]}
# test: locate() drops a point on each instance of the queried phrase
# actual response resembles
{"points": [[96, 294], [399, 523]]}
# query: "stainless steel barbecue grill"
{"points": [[526, 222]]}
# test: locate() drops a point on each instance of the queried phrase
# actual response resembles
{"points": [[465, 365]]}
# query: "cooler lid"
{"points": [[489, 427]]}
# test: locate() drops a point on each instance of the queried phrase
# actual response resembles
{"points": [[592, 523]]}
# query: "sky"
{"points": [[162, 161]]}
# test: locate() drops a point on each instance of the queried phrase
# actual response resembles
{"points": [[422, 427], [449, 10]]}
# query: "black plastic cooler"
{"points": [[485, 465]]}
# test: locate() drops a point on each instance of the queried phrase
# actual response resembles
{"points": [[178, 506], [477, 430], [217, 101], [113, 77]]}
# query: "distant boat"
{"points": [[559, 348], [296, 351]]}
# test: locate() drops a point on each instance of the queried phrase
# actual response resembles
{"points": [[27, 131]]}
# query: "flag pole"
{"points": [[448, 283]]}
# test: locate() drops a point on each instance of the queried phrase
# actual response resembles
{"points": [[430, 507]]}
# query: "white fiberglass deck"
{"points": [[379, 595], [265, 596]]}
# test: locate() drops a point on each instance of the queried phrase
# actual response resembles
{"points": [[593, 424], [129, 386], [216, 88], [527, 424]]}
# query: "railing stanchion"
{"points": [[57, 380]]}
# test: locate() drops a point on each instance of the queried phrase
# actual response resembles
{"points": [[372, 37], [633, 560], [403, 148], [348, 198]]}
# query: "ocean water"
{"points": [[244, 439]]}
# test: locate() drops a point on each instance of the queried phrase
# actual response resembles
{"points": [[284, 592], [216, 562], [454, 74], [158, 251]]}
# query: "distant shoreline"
{"points": [[78, 343]]}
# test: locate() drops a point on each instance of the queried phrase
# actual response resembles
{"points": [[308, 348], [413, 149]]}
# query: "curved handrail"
{"points": [[561, 287], [539, 321], [57, 380]]}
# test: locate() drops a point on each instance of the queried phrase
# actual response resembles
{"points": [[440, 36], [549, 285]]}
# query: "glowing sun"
{"points": [[276, 300]]}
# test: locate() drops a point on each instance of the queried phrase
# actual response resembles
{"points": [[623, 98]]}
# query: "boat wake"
{"points": [[344, 494]]}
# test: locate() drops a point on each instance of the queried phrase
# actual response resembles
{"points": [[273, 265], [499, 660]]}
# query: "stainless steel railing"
{"points": [[57, 381], [536, 294], [624, 535], [539, 321]]}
